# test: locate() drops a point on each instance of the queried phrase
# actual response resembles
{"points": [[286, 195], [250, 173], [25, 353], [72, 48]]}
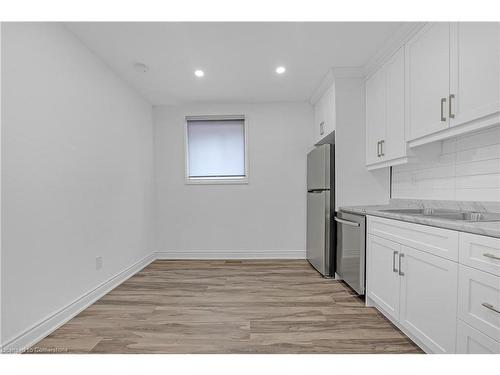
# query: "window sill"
{"points": [[216, 181]]}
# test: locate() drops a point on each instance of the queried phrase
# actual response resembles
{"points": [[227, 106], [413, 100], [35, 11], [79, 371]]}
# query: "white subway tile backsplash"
{"points": [[436, 183], [483, 153], [487, 181], [437, 172], [404, 184], [478, 168], [446, 159], [449, 147], [463, 168], [485, 195], [440, 194]]}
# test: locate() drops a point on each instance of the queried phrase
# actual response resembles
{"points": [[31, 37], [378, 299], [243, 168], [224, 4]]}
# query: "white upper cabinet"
{"points": [[385, 114], [394, 145], [375, 116], [453, 80], [474, 71], [428, 61], [324, 115], [329, 110]]}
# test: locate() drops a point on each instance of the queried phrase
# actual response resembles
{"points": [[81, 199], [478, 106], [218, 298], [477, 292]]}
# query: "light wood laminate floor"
{"points": [[280, 306]]}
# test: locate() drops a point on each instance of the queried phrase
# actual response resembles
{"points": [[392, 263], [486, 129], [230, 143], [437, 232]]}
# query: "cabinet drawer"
{"points": [[478, 298], [480, 252], [471, 341], [436, 241]]}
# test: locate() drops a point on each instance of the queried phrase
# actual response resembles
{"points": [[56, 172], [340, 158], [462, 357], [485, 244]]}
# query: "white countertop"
{"points": [[484, 228]]}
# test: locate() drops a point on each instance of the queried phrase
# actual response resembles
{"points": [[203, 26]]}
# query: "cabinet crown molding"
{"points": [[396, 41], [331, 76], [325, 84]]}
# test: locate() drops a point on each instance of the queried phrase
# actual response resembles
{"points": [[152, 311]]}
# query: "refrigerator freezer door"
{"points": [[318, 168], [318, 231]]}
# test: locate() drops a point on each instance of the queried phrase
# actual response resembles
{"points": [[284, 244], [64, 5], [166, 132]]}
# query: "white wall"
{"points": [[77, 173], [465, 168], [1, 130], [355, 184], [267, 217]]}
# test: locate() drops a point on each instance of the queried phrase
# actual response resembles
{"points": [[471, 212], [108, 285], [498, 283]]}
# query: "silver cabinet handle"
{"points": [[443, 101], [378, 149], [394, 255], [382, 147], [452, 115], [401, 256], [488, 255], [346, 222], [322, 128], [491, 307]]}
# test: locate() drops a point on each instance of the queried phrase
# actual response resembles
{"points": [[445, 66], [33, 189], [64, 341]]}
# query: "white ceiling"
{"points": [[239, 59]]}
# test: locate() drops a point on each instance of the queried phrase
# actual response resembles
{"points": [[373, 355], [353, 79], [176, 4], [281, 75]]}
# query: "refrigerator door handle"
{"points": [[346, 222]]}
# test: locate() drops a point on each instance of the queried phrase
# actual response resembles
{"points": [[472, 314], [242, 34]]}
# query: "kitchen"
{"points": [[245, 190], [440, 157]]}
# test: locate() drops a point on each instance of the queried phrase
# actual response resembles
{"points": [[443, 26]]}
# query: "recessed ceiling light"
{"points": [[280, 69], [140, 67], [199, 73]]}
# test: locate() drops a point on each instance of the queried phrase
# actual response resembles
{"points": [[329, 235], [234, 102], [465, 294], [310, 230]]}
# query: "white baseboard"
{"points": [[230, 254], [50, 324]]}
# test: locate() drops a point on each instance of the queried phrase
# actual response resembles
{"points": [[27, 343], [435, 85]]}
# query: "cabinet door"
{"points": [[318, 120], [375, 116], [324, 115], [329, 111], [471, 341], [382, 279], [429, 299], [332, 110], [475, 71], [394, 145], [428, 66]]}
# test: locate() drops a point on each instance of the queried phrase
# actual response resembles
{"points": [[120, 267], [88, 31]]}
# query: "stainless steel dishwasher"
{"points": [[351, 232]]}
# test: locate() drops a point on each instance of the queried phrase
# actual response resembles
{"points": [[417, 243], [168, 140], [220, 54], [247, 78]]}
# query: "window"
{"points": [[216, 149]]}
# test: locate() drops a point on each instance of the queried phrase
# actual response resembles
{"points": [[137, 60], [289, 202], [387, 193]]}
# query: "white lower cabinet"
{"points": [[444, 306], [479, 300], [472, 341], [427, 308], [382, 273]]}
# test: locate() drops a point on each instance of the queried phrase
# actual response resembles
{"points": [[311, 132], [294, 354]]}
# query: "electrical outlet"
{"points": [[98, 263]]}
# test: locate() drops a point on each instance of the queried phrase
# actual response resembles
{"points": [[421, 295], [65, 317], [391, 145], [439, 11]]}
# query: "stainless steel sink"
{"points": [[447, 214]]}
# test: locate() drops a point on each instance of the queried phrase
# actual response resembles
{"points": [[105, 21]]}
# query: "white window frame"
{"points": [[214, 180]]}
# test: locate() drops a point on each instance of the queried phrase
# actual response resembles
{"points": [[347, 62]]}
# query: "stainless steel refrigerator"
{"points": [[320, 209]]}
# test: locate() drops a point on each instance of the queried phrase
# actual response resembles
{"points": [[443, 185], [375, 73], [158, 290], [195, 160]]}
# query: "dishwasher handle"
{"points": [[346, 222]]}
